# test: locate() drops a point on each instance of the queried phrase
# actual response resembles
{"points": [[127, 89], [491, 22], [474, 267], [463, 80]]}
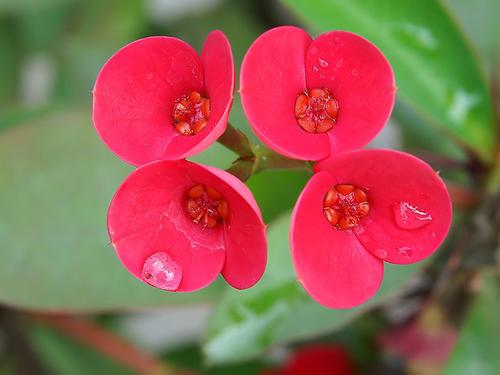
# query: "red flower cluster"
{"points": [[320, 100], [176, 225]]}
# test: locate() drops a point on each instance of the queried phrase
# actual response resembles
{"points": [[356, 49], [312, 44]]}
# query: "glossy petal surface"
{"points": [[393, 180], [135, 92], [147, 215], [218, 69], [332, 265], [272, 75], [358, 75], [245, 234]]}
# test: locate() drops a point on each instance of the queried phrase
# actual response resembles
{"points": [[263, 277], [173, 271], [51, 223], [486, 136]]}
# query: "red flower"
{"points": [[157, 99], [308, 98], [176, 225], [360, 209], [320, 359]]}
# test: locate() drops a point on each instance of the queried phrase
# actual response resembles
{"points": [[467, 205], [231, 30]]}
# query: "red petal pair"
{"points": [[159, 242], [175, 224], [285, 69], [408, 218], [145, 91]]}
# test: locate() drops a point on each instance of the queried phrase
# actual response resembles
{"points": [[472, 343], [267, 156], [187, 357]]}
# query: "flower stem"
{"points": [[236, 141], [255, 158]]}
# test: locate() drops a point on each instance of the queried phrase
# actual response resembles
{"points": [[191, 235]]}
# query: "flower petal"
{"points": [[331, 264], [272, 75], [397, 183], [134, 95], [361, 79], [218, 68], [147, 215], [245, 234]]}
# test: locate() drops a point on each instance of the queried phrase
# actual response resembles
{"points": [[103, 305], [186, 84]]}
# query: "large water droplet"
{"points": [[162, 272], [322, 63], [408, 216]]}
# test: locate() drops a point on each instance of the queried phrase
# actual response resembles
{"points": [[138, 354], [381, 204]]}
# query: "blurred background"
{"points": [[68, 307]]}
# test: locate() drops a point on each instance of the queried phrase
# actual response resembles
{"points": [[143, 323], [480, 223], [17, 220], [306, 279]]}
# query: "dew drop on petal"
{"points": [[405, 251], [315, 68], [381, 253], [323, 63], [162, 272], [339, 63], [408, 216], [355, 72]]}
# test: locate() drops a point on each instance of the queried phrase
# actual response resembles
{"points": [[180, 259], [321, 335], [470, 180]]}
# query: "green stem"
{"points": [[268, 159], [255, 158], [236, 141]]}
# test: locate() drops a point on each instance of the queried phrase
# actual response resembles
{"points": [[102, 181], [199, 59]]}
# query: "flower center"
{"points": [[206, 206], [345, 205], [191, 113], [316, 110]]}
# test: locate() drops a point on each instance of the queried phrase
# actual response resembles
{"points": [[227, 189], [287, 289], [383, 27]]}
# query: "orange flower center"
{"points": [[316, 110], [345, 205], [206, 206], [191, 113]]}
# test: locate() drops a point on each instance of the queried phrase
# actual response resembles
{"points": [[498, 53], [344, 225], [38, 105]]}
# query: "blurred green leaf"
{"points": [[191, 358], [479, 19], [477, 348], [277, 190], [56, 181], [28, 6], [8, 66], [60, 355], [435, 71], [98, 30], [277, 310]]}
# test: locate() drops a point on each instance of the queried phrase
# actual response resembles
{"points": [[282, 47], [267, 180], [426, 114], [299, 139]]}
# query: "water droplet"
{"points": [[405, 251], [315, 68], [355, 72], [322, 76], [322, 63], [162, 272], [381, 253], [408, 216], [339, 63]]}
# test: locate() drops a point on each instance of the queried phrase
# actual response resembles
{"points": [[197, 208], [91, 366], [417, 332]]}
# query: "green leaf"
{"points": [[435, 71], [56, 181], [286, 187], [479, 19], [277, 310], [477, 348]]}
